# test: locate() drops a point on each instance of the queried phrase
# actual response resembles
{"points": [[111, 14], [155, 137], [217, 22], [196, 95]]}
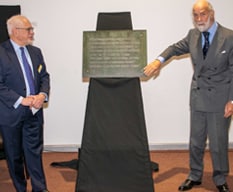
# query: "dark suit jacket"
{"points": [[12, 84], [212, 82]]}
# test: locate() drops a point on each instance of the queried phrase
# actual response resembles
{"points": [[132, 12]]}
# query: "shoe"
{"points": [[188, 184], [223, 188]]}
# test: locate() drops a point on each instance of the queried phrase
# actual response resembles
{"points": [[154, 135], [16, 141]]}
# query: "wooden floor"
{"points": [[173, 169]]}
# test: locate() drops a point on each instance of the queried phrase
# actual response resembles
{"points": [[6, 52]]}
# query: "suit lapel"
{"points": [[34, 65], [214, 49], [197, 51], [15, 61]]}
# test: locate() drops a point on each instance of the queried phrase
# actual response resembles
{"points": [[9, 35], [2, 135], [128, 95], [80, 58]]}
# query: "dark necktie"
{"points": [[206, 44], [28, 72]]}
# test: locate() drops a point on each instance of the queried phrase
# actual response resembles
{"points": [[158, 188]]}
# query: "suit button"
{"points": [[209, 89], [199, 76], [198, 88], [209, 78]]}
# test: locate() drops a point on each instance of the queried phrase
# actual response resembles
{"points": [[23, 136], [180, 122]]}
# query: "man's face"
{"points": [[202, 18], [24, 33]]}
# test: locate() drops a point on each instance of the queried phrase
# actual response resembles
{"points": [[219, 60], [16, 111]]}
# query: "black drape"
{"points": [[5, 13], [114, 153]]}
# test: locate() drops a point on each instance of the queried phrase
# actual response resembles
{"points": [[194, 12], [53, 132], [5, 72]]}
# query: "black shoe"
{"points": [[223, 188], [188, 184]]}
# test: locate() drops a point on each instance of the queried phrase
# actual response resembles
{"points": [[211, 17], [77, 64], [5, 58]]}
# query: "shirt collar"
{"points": [[212, 30], [15, 45]]}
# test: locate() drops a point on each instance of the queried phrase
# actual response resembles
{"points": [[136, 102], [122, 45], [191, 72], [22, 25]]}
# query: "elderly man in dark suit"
{"points": [[24, 87], [211, 48]]}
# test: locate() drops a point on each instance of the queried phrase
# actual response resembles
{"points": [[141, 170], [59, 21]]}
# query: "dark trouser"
{"points": [[215, 128], [23, 145]]}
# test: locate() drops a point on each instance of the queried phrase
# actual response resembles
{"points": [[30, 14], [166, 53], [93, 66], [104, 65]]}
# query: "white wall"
{"points": [[59, 25]]}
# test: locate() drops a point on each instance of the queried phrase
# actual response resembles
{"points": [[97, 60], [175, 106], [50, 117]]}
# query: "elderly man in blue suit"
{"points": [[211, 99], [21, 104]]}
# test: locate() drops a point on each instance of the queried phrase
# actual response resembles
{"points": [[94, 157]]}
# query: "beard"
{"points": [[30, 40], [202, 26]]}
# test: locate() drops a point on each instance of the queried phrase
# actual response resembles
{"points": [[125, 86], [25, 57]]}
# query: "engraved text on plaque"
{"points": [[115, 53]]}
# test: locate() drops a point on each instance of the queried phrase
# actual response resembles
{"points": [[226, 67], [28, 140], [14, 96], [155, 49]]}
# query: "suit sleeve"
{"points": [[230, 59], [44, 76], [177, 49], [40, 71], [8, 95]]}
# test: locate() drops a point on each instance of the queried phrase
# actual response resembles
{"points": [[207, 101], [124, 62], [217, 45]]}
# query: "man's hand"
{"points": [[27, 101], [153, 68], [38, 101], [228, 109]]}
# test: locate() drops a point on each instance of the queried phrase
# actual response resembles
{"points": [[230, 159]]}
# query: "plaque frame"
{"points": [[114, 53]]}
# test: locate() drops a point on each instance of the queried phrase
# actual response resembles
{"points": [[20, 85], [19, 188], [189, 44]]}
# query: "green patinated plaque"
{"points": [[114, 53]]}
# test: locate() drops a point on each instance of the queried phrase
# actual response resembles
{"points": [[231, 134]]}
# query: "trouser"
{"points": [[23, 145], [215, 128]]}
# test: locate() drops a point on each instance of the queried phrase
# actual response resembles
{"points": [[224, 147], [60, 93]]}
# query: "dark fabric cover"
{"points": [[114, 21], [114, 153], [5, 13]]}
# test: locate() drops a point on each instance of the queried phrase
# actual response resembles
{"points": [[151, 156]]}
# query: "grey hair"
{"points": [[210, 7], [13, 22]]}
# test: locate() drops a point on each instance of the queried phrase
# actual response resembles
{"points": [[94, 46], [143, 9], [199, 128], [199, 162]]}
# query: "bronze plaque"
{"points": [[114, 53]]}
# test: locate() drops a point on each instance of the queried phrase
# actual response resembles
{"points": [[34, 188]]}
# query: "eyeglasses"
{"points": [[29, 29]]}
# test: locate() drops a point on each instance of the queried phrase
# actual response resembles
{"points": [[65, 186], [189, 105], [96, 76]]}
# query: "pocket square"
{"points": [[39, 68], [224, 51]]}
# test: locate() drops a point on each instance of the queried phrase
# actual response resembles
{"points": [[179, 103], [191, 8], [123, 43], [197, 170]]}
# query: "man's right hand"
{"points": [[152, 68], [27, 101]]}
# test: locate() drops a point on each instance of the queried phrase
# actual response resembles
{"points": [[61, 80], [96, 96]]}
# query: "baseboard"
{"points": [[61, 148], [152, 147]]}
